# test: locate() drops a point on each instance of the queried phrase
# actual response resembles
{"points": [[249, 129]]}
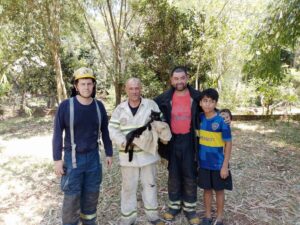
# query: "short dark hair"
{"points": [[210, 93], [227, 111], [179, 69]]}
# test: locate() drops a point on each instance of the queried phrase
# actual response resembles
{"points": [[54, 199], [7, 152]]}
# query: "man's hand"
{"points": [[108, 162], [224, 172], [164, 142], [58, 167]]}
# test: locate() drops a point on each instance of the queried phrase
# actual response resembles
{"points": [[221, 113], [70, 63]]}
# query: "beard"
{"points": [[180, 87]]}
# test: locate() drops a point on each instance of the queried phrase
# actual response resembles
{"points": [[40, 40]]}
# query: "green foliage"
{"points": [[27, 43], [212, 38], [284, 23], [4, 89], [266, 64], [267, 91], [280, 32], [22, 48], [289, 92], [167, 38], [5, 86], [272, 95], [243, 96], [151, 84], [75, 54]]}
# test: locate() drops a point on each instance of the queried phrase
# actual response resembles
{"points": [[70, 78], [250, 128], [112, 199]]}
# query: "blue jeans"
{"points": [[81, 187]]}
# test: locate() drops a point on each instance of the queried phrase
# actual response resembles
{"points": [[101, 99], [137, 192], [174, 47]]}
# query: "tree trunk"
{"points": [[197, 76], [268, 109], [116, 23], [60, 84], [118, 92], [51, 24], [23, 102], [51, 101]]}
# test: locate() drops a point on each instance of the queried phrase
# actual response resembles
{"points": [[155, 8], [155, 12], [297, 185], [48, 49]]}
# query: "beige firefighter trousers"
{"points": [[130, 178]]}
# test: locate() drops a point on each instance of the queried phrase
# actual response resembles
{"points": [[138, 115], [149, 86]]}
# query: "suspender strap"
{"points": [[100, 120], [73, 145]]}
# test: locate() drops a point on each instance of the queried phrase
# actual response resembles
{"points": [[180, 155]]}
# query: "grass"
{"points": [[24, 127], [265, 165], [280, 131]]}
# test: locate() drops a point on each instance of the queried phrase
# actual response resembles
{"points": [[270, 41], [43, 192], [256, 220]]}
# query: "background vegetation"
{"points": [[248, 50]]}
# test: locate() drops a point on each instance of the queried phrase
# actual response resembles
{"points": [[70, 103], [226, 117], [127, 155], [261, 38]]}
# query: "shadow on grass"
{"points": [[25, 127]]}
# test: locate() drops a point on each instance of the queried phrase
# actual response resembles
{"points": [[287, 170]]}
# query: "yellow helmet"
{"points": [[83, 72]]}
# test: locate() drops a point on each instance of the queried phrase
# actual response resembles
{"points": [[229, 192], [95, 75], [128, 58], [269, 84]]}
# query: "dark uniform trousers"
{"points": [[182, 167], [81, 188]]}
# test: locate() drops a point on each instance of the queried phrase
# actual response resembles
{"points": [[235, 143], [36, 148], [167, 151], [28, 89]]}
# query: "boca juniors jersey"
{"points": [[212, 136]]}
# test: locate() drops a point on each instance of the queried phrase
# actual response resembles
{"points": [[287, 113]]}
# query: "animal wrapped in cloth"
{"points": [[147, 136]]}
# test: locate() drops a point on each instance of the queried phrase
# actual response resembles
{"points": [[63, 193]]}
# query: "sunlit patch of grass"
{"points": [[286, 132], [247, 126], [1, 149], [24, 127], [25, 183], [264, 163]]}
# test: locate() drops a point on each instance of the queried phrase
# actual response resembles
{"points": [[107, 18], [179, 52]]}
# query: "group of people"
{"points": [[198, 152]]}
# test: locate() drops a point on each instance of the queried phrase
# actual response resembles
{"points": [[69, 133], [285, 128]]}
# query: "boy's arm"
{"points": [[227, 153]]}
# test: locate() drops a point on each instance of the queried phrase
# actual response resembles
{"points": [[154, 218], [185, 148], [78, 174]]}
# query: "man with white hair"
{"points": [[83, 120], [129, 115]]}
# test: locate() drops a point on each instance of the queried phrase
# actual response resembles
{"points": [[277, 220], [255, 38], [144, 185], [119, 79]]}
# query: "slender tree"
{"points": [[116, 17]]}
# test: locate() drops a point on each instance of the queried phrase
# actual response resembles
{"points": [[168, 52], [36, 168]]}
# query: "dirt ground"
{"points": [[265, 165]]}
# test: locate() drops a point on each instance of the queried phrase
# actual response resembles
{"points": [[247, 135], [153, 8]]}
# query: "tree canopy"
{"points": [[233, 46]]}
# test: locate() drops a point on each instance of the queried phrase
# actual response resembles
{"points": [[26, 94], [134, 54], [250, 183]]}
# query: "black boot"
{"points": [[89, 207], [71, 209]]}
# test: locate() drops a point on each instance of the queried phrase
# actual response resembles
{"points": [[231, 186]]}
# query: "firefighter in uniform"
{"points": [[83, 119], [129, 115], [179, 106]]}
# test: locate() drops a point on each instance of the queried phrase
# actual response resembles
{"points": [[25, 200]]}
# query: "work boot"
{"points": [[170, 214], [219, 223], [157, 222], [192, 218], [206, 221]]}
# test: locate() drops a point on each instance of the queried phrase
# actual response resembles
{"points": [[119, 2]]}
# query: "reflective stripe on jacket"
{"points": [[122, 122]]}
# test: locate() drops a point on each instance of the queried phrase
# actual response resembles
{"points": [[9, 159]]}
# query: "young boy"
{"points": [[215, 149]]}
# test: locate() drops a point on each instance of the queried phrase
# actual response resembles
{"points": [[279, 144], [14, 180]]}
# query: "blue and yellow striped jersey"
{"points": [[213, 134]]}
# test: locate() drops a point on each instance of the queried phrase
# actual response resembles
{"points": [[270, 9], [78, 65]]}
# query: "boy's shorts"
{"points": [[211, 179]]}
